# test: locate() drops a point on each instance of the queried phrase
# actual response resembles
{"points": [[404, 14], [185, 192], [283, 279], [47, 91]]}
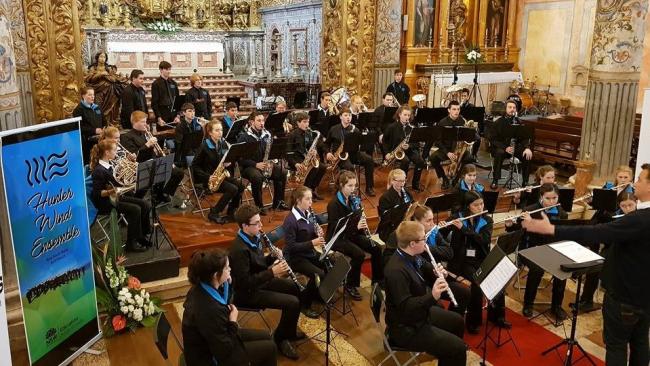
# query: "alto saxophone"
{"points": [[400, 151], [461, 148], [219, 174], [311, 159], [339, 154]]}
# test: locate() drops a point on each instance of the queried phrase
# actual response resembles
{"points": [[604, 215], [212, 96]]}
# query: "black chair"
{"points": [[161, 334]]}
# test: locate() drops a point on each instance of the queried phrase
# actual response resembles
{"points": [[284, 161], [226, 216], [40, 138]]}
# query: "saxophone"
{"points": [[400, 151], [339, 154], [268, 169], [219, 174], [311, 159], [461, 149]]}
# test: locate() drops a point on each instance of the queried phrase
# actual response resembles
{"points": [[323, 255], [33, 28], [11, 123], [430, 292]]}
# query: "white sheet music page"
{"points": [[575, 251], [498, 278]]}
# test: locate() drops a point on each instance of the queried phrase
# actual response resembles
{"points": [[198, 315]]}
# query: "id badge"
{"points": [[471, 253]]}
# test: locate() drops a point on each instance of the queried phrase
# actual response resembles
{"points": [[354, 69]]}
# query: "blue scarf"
{"points": [[228, 121], [431, 240], [212, 146], [477, 187], [479, 225], [246, 240], [341, 199], [93, 106], [214, 293]]}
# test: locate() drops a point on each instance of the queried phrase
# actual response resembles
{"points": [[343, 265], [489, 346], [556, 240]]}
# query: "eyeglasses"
{"points": [[419, 240], [257, 223]]}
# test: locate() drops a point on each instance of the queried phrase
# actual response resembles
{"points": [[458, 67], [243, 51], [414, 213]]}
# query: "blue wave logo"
{"points": [[43, 169]]}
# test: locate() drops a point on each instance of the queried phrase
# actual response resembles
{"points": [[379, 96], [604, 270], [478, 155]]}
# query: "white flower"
{"points": [[137, 314], [131, 308], [139, 300], [124, 310]]}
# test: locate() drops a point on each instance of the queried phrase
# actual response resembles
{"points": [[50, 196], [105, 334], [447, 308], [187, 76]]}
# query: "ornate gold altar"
{"points": [[441, 32]]}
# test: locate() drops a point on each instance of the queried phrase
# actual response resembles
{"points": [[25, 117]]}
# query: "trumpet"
{"points": [[156, 148], [517, 190], [435, 268], [277, 253]]}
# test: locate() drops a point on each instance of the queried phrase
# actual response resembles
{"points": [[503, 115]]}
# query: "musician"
{"points": [[414, 318], [464, 100], [394, 135], [352, 242], [91, 121], [624, 175], [324, 106], [210, 330], [387, 100], [394, 196], [467, 183], [357, 106], [164, 92], [189, 125], [135, 210], [301, 140], [371, 135], [253, 166], [470, 240], [549, 194], [204, 165], [133, 98], [199, 97], [336, 136], [501, 145], [446, 148], [229, 118], [300, 239], [626, 309], [399, 89], [136, 141], [260, 282]]}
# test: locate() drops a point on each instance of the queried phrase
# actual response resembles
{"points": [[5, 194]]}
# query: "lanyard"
{"points": [[214, 293], [410, 264]]}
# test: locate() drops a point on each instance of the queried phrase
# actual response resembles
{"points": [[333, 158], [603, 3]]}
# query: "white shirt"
{"points": [[641, 205], [297, 214], [105, 164]]}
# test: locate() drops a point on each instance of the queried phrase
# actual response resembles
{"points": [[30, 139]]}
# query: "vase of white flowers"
{"points": [[163, 26], [473, 56]]}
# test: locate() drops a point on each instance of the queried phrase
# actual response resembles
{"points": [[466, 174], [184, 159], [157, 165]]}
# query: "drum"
{"points": [[526, 100]]}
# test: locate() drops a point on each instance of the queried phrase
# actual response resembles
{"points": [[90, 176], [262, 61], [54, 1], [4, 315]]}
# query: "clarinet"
{"points": [[317, 229], [366, 231], [277, 253]]}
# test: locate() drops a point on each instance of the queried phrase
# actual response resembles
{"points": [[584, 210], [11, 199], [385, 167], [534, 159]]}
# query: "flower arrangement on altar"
{"points": [[119, 295], [473, 55], [163, 26]]}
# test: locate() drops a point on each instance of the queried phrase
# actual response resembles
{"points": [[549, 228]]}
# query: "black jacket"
{"points": [[201, 100], [255, 156], [531, 239], [250, 268], [337, 210], [91, 119], [133, 99], [299, 143], [395, 133], [298, 234], [207, 159], [134, 141], [390, 199], [473, 236], [208, 333], [337, 134], [102, 179], [442, 251], [498, 138], [183, 148], [401, 91], [626, 270], [445, 147], [163, 95]]}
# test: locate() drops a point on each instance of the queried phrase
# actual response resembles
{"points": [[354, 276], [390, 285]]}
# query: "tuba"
{"points": [[311, 159], [339, 97], [219, 174]]}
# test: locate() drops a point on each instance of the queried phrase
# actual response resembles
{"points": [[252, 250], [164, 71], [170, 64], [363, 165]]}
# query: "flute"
{"points": [[512, 218], [461, 219], [517, 190], [278, 255], [435, 268]]}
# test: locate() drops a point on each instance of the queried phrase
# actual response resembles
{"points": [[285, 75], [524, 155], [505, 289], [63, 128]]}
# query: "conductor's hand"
{"points": [[260, 166], [280, 269], [329, 156], [542, 226], [161, 122], [510, 149], [234, 313], [528, 154], [318, 242], [439, 287], [451, 156]]}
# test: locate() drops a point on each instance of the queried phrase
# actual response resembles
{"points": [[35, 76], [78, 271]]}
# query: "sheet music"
{"points": [[575, 251], [498, 278], [328, 246]]}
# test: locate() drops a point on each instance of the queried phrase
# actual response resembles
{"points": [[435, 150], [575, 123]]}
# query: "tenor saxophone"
{"points": [[219, 174], [461, 149], [311, 159]]}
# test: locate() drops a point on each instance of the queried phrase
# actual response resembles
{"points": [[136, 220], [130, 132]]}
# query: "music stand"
{"points": [[388, 117], [490, 199], [428, 135], [476, 114], [150, 173], [189, 146], [562, 267], [492, 277], [328, 286], [439, 113], [425, 117], [566, 198], [332, 121], [236, 128], [392, 217], [604, 199], [369, 121], [442, 202], [316, 123], [274, 123]]}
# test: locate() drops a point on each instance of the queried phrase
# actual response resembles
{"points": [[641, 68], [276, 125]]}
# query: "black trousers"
{"points": [[413, 156], [315, 176], [437, 158], [625, 325], [281, 294], [310, 267], [231, 189], [535, 274], [591, 280], [356, 247], [363, 159], [169, 188], [500, 155], [136, 211], [278, 177], [441, 337], [259, 347], [474, 316]]}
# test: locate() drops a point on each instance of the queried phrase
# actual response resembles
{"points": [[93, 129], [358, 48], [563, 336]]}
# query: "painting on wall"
{"points": [[424, 20], [496, 22]]}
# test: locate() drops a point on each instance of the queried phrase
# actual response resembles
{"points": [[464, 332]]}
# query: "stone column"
{"points": [[612, 88], [227, 45]]}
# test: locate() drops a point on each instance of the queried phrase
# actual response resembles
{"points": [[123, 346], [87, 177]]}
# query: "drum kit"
{"points": [[533, 99]]}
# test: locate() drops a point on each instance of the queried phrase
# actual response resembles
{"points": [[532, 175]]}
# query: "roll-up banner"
{"points": [[44, 188]]}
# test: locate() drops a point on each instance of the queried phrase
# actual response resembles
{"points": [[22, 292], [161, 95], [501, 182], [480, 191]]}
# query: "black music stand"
{"points": [[604, 199], [393, 216], [425, 117], [490, 199], [476, 114], [427, 134], [239, 151], [328, 286], [236, 128], [388, 117], [316, 123], [274, 123], [492, 277], [565, 198], [368, 121], [189, 146], [517, 133], [150, 173], [439, 113], [563, 268], [442, 202]]}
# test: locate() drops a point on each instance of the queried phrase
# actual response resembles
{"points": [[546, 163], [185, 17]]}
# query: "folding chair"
{"points": [[103, 221], [161, 334], [198, 190], [249, 312]]}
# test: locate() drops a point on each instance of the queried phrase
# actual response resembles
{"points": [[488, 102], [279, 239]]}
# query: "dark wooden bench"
{"points": [[556, 147]]}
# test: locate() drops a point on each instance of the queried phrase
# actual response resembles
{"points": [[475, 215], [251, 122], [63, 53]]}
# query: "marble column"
{"points": [[612, 88], [227, 48]]}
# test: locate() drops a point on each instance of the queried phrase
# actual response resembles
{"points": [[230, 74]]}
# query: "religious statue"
{"points": [[495, 16], [108, 86], [423, 22], [224, 17], [240, 15], [457, 17]]}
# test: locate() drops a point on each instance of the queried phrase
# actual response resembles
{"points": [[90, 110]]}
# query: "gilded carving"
{"points": [[39, 60], [618, 35], [331, 73], [457, 20], [13, 11], [388, 32], [66, 54], [367, 63]]}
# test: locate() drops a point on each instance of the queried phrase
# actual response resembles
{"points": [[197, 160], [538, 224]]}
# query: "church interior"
{"points": [[229, 131]]}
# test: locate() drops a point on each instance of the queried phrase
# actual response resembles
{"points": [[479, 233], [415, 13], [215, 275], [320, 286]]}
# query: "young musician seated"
{"points": [[211, 334], [624, 175], [112, 133], [301, 235], [253, 167], [394, 196], [466, 183], [140, 142], [205, 164], [301, 140], [545, 174], [229, 118], [188, 125], [470, 240], [337, 136], [502, 145], [92, 121], [414, 318], [324, 106], [135, 210], [199, 97], [353, 242], [394, 136], [549, 194], [446, 148]]}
